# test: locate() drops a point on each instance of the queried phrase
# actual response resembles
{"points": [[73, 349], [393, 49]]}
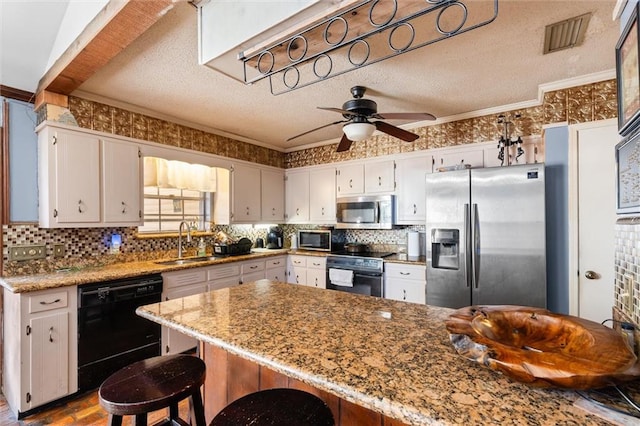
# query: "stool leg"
{"points": [[173, 411], [196, 408], [141, 419], [115, 420]]}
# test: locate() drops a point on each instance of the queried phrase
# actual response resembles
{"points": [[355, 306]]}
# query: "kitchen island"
{"points": [[374, 361]]}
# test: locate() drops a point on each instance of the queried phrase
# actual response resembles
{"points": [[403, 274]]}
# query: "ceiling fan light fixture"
{"points": [[358, 131]]}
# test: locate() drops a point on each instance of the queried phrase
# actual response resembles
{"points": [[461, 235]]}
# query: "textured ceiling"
{"points": [[496, 65]]}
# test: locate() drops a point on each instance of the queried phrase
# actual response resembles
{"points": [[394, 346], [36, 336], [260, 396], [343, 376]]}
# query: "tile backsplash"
{"points": [[91, 246], [627, 268]]}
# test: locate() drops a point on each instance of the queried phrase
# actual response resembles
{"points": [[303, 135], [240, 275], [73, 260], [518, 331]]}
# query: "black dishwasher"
{"points": [[110, 334]]}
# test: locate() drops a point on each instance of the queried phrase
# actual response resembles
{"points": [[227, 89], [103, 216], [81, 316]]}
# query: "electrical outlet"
{"points": [[58, 250], [27, 252]]}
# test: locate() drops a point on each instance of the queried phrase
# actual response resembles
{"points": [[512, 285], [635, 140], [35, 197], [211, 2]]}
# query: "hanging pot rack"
{"points": [[362, 34]]}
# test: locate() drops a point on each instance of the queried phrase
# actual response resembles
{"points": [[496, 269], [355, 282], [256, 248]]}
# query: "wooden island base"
{"points": [[230, 377]]}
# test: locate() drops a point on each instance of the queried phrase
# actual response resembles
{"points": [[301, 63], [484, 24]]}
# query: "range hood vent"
{"points": [[565, 34]]}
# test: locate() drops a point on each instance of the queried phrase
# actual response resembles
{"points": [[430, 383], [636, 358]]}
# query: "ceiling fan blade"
{"points": [[317, 128], [344, 145], [395, 131], [339, 110], [405, 116]]}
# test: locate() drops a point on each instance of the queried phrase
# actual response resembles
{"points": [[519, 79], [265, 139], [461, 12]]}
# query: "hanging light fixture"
{"points": [[358, 131]]}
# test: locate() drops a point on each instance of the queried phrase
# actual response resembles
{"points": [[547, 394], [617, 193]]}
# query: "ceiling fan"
{"points": [[359, 111]]}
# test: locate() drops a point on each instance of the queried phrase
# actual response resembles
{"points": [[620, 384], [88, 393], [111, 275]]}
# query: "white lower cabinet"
{"points": [[307, 270], [276, 268], [317, 272], [174, 286], [40, 352], [223, 276], [252, 270], [404, 282], [297, 269]]}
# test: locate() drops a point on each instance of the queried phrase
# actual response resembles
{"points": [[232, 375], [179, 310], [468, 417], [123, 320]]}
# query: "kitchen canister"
{"points": [[413, 244]]}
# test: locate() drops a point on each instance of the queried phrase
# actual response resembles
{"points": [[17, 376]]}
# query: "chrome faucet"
{"points": [[183, 223]]}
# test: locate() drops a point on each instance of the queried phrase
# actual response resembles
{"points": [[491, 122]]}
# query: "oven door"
{"points": [[363, 283]]}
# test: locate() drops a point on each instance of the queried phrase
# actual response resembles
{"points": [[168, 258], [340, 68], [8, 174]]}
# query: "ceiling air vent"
{"points": [[565, 34]]}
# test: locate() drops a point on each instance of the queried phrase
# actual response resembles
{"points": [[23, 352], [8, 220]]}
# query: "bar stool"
{"points": [[282, 407], [153, 384]]}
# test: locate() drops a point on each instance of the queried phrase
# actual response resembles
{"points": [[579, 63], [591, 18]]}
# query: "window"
{"points": [[175, 191], [165, 208]]}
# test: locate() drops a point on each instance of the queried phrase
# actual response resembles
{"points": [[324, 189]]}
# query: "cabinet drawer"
{"points": [[298, 261], [223, 271], [181, 278], [251, 267], [317, 263], [47, 302], [405, 272], [278, 262]]}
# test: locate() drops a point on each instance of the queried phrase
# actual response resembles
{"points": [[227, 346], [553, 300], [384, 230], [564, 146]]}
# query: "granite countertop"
{"points": [[76, 276], [388, 356]]}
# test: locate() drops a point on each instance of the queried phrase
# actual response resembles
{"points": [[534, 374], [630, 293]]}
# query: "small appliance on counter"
{"points": [[259, 243], [320, 239], [275, 238]]}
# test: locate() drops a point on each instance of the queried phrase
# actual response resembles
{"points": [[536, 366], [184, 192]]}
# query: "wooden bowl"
{"points": [[538, 347]]}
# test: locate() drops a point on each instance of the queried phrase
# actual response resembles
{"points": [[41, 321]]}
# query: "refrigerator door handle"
{"points": [[475, 250], [467, 244]]}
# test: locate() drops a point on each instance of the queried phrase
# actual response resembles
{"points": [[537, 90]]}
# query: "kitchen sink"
{"points": [[189, 260]]}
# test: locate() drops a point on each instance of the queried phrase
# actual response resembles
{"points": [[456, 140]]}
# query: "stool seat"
{"points": [[282, 407], [153, 384]]}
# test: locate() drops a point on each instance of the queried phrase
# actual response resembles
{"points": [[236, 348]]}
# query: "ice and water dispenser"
{"points": [[445, 248]]}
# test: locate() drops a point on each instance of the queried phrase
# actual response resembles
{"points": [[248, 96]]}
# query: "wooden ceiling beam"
{"points": [[117, 25]]}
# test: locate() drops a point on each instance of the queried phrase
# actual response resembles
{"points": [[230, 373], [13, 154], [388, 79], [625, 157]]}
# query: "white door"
{"points": [[592, 288]]}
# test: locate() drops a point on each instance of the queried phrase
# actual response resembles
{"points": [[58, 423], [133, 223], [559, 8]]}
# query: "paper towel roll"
{"points": [[413, 244]]}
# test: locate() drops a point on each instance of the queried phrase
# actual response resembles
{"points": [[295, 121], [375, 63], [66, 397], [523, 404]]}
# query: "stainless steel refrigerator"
{"points": [[486, 237]]}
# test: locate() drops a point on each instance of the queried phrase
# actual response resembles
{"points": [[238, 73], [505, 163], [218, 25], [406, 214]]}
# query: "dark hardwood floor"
{"points": [[82, 410]]}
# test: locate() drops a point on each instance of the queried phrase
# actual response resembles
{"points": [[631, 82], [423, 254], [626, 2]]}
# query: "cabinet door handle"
{"points": [[247, 211], [275, 263], [273, 211], [80, 206], [415, 209], [297, 279], [379, 180], [124, 208], [350, 183], [42, 302], [405, 273], [253, 267], [297, 211], [316, 281], [316, 264], [404, 294], [322, 210], [51, 334]]}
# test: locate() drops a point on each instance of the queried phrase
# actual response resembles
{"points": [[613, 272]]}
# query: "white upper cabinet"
{"points": [[379, 176], [411, 189], [322, 205], [473, 157], [74, 176], [350, 180], [297, 196], [122, 187], [368, 177], [246, 201], [86, 180], [272, 185]]}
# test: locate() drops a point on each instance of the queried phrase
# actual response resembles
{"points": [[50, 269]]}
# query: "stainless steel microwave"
{"points": [[365, 212], [315, 239]]}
